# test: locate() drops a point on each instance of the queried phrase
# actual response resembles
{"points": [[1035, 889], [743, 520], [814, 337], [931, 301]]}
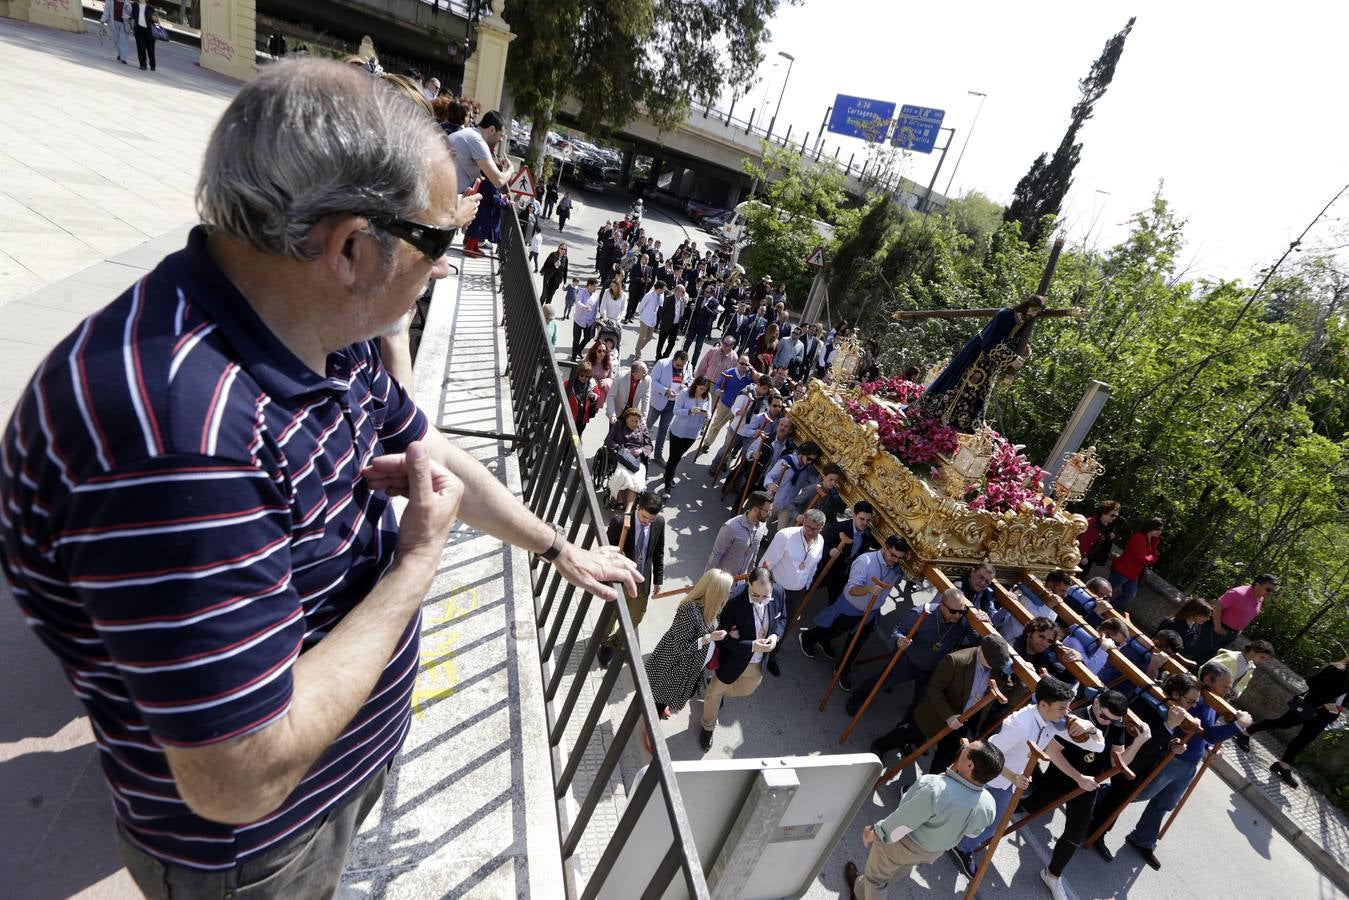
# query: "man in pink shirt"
{"points": [[718, 360], [1233, 612]]}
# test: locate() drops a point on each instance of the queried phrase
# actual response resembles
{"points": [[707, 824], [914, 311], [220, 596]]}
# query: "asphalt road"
{"points": [[1221, 845]]}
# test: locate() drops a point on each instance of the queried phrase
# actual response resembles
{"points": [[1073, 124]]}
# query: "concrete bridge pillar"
{"points": [[228, 37], [485, 70], [64, 14]]}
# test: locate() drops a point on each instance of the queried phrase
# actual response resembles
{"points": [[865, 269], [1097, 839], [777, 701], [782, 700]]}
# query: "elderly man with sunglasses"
{"points": [[198, 482]]}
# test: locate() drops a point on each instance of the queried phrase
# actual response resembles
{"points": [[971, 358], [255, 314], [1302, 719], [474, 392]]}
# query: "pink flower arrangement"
{"points": [[894, 388], [1011, 483], [916, 440]]}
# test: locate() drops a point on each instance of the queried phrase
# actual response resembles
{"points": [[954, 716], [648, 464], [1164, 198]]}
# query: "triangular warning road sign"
{"points": [[522, 183], [816, 258]]}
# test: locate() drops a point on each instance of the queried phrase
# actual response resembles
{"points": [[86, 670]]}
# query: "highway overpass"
{"points": [[702, 159]]}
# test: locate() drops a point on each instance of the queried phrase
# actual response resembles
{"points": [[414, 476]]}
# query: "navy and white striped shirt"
{"points": [[182, 515]]}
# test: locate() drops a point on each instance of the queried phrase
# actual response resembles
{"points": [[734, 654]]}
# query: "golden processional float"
{"points": [[929, 505]]}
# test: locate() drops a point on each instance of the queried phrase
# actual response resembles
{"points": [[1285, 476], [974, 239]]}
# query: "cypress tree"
{"points": [[1041, 190]]}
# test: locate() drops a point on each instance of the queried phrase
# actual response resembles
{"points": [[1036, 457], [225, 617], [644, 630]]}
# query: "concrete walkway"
{"points": [[96, 158]]}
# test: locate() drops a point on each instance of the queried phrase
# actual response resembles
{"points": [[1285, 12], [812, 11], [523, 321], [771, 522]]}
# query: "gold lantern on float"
{"points": [[847, 357], [969, 463], [1079, 471]]}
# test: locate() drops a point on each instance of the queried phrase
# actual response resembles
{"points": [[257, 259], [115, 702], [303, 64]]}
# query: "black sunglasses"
{"points": [[433, 242]]}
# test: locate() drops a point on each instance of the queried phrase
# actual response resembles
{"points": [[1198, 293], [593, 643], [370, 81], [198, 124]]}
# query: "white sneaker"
{"points": [[1055, 885]]}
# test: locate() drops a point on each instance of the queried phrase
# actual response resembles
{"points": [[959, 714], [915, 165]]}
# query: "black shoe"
{"points": [[850, 877], [876, 748], [1285, 775], [1243, 741], [606, 656], [705, 738], [845, 685], [807, 649], [773, 668], [1148, 856], [964, 861], [828, 650], [142, 68], [853, 706], [1105, 852]]}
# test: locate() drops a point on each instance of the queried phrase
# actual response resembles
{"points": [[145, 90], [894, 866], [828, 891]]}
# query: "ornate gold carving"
{"points": [[940, 529]]}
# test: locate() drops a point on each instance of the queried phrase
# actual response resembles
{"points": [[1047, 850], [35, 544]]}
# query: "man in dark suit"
{"points": [[862, 540], [961, 680], [755, 619], [640, 279], [644, 544], [737, 322]]}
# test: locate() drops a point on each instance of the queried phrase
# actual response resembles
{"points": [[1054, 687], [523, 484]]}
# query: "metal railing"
{"points": [[557, 486]]}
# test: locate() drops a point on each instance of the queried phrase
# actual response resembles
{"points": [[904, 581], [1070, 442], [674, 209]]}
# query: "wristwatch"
{"points": [[559, 541]]}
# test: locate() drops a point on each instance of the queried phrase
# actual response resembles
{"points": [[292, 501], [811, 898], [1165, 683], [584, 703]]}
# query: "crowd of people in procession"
{"points": [[716, 365], [728, 363]]}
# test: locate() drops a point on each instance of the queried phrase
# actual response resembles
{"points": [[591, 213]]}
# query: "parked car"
{"points": [[715, 222], [697, 210]]}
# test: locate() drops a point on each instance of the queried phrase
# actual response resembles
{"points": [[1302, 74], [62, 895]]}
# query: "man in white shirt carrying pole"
{"points": [[792, 556]]}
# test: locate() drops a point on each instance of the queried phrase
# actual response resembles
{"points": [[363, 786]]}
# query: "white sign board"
{"points": [[831, 791]]}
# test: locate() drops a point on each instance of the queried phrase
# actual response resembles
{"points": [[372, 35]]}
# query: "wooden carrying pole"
{"points": [[753, 465], [749, 483], [852, 644], [688, 587], [880, 682], [1119, 768], [984, 313], [721, 461], [1208, 761], [937, 578], [1122, 663], [993, 694], [843, 541], [1139, 785], [1219, 704], [1036, 755]]}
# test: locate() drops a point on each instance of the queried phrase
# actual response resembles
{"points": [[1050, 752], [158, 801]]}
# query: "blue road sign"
{"points": [[917, 127], [861, 118]]}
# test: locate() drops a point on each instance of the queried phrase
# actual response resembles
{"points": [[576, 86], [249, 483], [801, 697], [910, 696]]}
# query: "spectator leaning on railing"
{"points": [[188, 525]]}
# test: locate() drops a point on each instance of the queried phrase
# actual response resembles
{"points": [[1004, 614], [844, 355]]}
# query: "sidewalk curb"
{"points": [[1331, 867]]}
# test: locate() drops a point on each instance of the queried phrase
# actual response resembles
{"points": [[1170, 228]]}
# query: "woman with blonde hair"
{"points": [[675, 668]]}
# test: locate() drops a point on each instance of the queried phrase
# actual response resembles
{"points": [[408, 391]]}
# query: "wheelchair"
{"points": [[601, 469]]}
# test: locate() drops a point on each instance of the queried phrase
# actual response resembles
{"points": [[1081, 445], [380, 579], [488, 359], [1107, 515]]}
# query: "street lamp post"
{"points": [[790, 59], [969, 134]]}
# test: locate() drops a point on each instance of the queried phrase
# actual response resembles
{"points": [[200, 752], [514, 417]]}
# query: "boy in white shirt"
{"points": [[1038, 724]]}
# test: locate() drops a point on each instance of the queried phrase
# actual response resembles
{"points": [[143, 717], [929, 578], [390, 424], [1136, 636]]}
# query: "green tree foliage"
{"points": [[618, 60], [1227, 421], [781, 223], [1040, 191]]}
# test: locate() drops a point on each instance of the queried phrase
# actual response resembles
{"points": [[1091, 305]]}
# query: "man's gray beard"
{"points": [[397, 327]]}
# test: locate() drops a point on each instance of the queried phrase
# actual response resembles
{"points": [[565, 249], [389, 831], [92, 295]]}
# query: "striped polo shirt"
{"points": [[182, 515]]}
